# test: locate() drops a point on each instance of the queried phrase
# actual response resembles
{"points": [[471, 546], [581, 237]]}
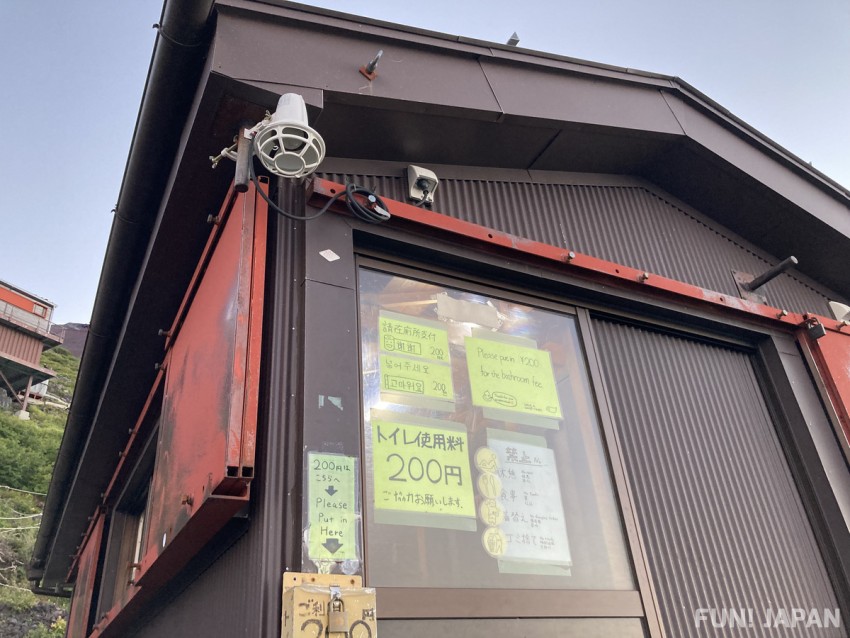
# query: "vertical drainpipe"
{"points": [[184, 34]]}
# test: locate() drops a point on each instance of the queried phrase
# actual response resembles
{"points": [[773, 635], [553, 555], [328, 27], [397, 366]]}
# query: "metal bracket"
{"points": [[748, 284], [743, 281]]}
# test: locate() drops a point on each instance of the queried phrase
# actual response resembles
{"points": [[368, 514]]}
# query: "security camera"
{"points": [[421, 184]]}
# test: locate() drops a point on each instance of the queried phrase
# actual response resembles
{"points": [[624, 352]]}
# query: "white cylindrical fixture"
{"points": [[287, 146]]}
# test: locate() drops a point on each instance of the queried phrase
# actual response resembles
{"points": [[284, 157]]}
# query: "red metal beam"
{"points": [[583, 266], [831, 356]]}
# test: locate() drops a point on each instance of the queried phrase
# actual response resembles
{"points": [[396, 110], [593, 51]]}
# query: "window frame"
{"points": [[433, 603], [122, 554]]}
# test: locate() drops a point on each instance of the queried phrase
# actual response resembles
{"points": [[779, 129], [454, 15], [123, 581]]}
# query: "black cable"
{"points": [[424, 199], [375, 214], [367, 214]]}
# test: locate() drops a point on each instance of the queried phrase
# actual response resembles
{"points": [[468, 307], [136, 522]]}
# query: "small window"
{"points": [[127, 531], [39, 310], [484, 466]]}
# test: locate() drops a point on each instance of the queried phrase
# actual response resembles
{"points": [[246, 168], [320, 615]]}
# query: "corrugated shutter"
{"points": [[720, 514]]}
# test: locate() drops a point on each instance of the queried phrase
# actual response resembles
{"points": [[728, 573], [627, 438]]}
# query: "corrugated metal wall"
{"points": [[629, 225], [720, 515], [20, 345]]}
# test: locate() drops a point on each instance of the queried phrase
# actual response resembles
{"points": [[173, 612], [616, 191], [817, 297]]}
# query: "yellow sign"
{"points": [[405, 335], [495, 542], [415, 377], [491, 512], [422, 469], [331, 489], [511, 377]]}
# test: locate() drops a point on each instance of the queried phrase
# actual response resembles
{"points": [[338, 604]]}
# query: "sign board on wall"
{"points": [[421, 472], [513, 379], [532, 512], [415, 361], [333, 511]]}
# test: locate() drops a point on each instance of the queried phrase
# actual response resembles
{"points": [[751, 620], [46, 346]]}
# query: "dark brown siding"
{"points": [[20, 345], [719, 512], [630, 225]]}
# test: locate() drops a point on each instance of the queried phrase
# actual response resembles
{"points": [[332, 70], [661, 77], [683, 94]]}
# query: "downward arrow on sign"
{"points": [[331, 490], [332, 545]]}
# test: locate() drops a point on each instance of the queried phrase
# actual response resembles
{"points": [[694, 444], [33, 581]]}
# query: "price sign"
{"points": [[413, 337], [512, 377], [422, 469], [401, 375]]}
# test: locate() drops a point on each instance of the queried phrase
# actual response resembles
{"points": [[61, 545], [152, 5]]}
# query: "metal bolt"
{"points": [[843, 323], [157, 366], [213, 219], [782, 313], [163, 332], [570, 256], [643, 276], [187, 500]]}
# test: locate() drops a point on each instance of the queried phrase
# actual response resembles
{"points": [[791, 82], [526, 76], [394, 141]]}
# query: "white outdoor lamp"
{"points": [[283, 141]]}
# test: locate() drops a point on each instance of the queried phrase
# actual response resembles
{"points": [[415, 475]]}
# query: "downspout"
{"points": [[184, 33]]}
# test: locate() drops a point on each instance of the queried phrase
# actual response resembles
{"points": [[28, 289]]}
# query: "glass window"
{"points": [[484, 465]]}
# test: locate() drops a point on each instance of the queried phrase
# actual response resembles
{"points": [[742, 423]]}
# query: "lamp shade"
{"points": [[287, 146]]}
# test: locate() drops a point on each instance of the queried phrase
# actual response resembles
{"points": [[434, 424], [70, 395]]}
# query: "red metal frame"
{"points": [[205, 460], [831, 353], [831, 358], [82, 599], [577, 263]]}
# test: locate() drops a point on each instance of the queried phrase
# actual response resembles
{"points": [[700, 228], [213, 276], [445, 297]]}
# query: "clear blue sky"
{"points": [[73, 75]]}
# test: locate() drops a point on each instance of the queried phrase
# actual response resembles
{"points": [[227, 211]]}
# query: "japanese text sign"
{"points": [[422, 469], [415, 377], [413, 337]]}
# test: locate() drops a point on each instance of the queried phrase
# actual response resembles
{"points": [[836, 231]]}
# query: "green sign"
{"points": [[422, 469], [400, 334], [506, 376], [332, 513], [416, 377]]}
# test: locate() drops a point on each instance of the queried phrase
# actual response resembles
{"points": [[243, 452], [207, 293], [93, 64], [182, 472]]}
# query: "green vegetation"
{"points": [[28, 448], [66, 366], [27, 453]]}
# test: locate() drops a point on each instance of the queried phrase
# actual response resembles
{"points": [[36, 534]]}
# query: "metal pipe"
{"points": [[243, 157], [772, 273]]}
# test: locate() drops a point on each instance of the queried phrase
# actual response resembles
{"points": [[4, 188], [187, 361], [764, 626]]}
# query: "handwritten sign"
{"points": [[406, 376], [534, 526], [413, 337], [512, 377], [332, 514], [422, 469]]}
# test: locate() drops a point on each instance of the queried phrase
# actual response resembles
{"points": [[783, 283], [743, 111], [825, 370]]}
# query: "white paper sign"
{"points": [[534, 525]]}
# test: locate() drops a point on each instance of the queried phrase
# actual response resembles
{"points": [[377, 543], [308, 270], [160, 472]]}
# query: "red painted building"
{"points": [[25, 332], [554, 400]]}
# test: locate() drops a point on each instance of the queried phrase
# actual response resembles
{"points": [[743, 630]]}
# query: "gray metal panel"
{"points": [[630, 225], [721, 518]]}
